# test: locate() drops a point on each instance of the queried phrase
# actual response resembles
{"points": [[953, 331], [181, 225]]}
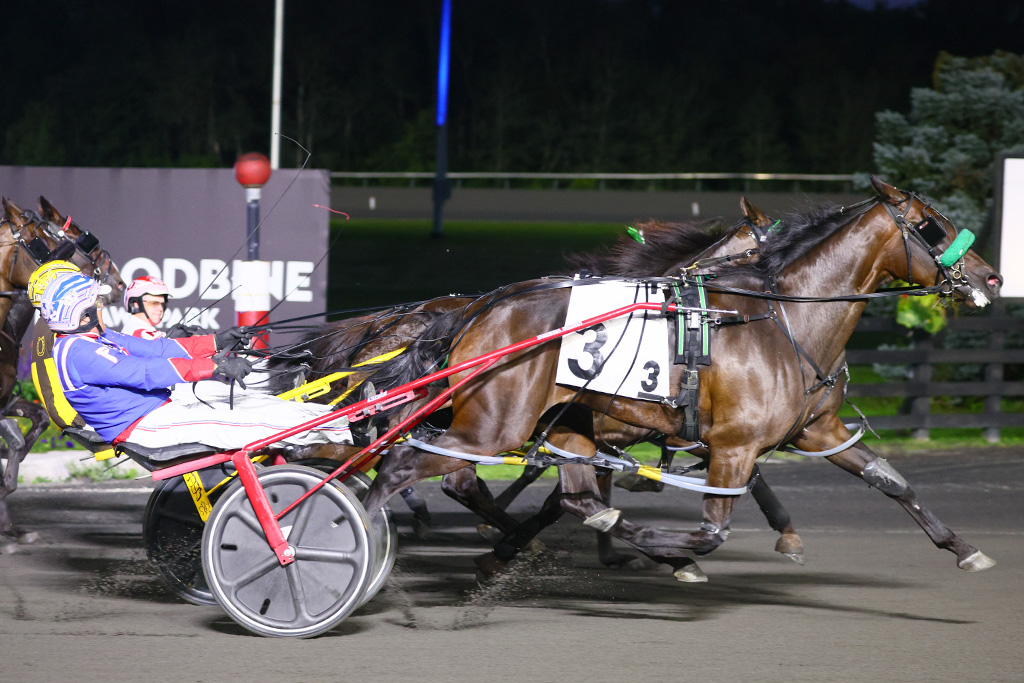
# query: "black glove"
{"points": [[181, 330], [231, 368], [233, 337]]}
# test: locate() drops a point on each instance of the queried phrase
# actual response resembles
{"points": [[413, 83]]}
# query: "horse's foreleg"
{"points": [[789, 543], [878, 473]]}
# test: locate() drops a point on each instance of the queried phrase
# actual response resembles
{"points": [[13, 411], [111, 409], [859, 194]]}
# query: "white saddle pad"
{"points": [[626, 356]]}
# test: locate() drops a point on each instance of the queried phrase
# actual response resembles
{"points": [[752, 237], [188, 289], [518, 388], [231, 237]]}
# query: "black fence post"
{"points": [[994, 374], [920, 406]]}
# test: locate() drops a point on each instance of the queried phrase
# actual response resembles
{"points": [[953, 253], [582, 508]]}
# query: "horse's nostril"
{"points": [[994, 281]]}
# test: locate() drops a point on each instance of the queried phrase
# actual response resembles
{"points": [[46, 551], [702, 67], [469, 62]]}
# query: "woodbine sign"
{"points": [[187, 227]]}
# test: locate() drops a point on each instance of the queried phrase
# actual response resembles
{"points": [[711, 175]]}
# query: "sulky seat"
{"points": [[165, 456]]}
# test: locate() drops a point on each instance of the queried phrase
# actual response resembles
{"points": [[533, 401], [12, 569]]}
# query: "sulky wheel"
{"points": [[172, 533], [333, 556], [385, 533]]}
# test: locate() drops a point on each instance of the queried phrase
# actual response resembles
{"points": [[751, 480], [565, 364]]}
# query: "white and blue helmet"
{"points": [[67, 298]]}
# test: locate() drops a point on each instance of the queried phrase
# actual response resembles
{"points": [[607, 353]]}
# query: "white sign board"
{"points": [[1011, 246], [626, 356]]}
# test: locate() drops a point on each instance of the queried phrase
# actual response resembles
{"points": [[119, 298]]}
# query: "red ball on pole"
{"points": [[252, 276], [252, 169]]}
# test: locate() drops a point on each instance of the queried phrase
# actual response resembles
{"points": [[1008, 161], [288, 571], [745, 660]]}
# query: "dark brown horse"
{"points": [[26, 239], [664, 246], [763, 389]]}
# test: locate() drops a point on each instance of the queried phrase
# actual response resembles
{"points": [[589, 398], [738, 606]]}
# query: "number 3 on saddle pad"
{"points": [[628, 355]]}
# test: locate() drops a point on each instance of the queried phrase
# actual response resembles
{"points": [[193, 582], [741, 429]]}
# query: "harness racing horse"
{"points": [[27, 240], [769, 383], [664, 246]]}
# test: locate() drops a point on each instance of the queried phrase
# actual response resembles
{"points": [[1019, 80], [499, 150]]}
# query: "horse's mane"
{"points": [[796, 235], [665, 246]]}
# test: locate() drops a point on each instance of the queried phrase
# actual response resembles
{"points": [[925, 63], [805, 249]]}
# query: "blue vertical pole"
{"points": [[442, 188]]}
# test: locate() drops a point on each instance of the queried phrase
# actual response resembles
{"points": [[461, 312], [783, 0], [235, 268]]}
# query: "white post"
{"points": [[275, 103]]}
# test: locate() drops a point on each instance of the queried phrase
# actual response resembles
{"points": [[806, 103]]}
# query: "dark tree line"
{"points": [[537, 85]]}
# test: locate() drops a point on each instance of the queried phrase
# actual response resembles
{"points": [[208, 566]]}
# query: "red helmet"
{"points": [[141, 286]]}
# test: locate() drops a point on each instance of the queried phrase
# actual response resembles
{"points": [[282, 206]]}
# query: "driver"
{"points": [[121, 384], [145, 301]]}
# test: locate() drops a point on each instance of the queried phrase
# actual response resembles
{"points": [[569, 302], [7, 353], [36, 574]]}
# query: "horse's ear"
{"points": [[49, 213], [753, 214], [13, 212], [887, 191]]}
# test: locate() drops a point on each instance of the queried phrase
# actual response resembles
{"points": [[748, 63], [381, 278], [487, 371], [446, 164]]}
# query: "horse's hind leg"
{"points": [[581, 496], [789, 543], [37, 414], [402, 467], [513, 543], [464, 486], [606, 553], [530, 474], [877, 472]]}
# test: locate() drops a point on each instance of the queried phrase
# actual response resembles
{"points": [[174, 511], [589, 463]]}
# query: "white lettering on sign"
{"points": [[213, 279], [181, 277], [139, 266], [115, 317], [296, 278], [288, 279]]}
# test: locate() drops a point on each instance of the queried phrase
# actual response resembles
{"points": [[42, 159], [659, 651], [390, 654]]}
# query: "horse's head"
{"points": [[83, 249], [934, 251], [24, 246], [758, 222]]}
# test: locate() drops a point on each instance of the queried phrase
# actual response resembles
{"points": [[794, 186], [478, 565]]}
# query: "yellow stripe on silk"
{"points": [[65, 412]]}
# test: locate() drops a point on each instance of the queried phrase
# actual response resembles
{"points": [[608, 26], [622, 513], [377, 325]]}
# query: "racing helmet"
{"points": [[69, 303], [140, 286], [44, 275]]}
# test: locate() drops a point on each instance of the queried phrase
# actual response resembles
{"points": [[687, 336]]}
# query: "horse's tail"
{"points": [[329, 347], [426, 354]]}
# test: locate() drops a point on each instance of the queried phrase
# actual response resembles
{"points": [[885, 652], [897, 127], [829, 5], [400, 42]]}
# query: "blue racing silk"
{"points": [[114, 379]]}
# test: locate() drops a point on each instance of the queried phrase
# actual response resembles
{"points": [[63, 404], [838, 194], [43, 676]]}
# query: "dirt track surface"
{"points": [[875, 600]]}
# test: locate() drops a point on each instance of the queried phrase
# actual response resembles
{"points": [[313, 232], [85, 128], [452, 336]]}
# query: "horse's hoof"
{"points": [[976, 562], [8, 547], [535, 548], [489, 533], [421, 529], [636, 483], [789, 544], [26, 537], [488, 566], [624, 561], [603, 520], [691, 573]]}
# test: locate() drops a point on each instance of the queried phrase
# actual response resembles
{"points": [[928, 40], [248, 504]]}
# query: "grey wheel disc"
{"points": [[382, 525], [333, 556]]}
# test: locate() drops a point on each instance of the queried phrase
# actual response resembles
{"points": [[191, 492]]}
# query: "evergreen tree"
{"points": [[946, 147]]}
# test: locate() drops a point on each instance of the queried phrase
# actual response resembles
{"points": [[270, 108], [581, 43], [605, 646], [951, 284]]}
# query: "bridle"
{"points": [[929, 234], [86, 244], [39, 252]]}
